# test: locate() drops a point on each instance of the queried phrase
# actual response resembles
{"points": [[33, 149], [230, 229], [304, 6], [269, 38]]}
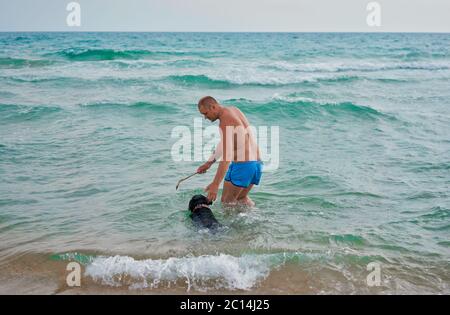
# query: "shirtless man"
{"points": [[237, 151]]}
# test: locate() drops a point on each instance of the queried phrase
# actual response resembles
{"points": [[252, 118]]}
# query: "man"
{"points": [[237, 150]]}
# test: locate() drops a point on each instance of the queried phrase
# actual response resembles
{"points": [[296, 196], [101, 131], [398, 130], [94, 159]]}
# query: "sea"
{"points": [[356, 201]]}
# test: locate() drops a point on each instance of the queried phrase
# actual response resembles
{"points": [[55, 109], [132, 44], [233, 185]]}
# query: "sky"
{"points": [[228, 15]]}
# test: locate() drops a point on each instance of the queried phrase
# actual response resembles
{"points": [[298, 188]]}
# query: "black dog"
{"points": [[201, 214]]}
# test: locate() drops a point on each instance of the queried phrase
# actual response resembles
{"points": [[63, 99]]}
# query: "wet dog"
{"points": [[201, 213]]}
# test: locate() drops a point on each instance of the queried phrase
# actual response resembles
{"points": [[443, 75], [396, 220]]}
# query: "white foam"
{"points": [[360, 65], [292, 98], [200, 273]]}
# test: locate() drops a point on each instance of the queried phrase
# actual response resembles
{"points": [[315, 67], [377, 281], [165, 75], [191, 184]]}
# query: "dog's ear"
{"points": [[198, 199], [192, 203], [195, 200]]}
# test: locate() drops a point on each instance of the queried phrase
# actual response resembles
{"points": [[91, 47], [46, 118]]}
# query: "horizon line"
{"points": [[237, 32]]}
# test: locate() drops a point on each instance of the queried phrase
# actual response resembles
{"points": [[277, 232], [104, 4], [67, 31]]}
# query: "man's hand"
{"points": [[212, 190], [203, 168]]}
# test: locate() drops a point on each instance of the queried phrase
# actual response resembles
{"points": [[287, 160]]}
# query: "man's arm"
{"points": [[215, 156], [221, 171], [213, 188]]}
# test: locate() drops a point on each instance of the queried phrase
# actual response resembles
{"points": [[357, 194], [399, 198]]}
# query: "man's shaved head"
{"points": [[210, 108], [207, 102]]}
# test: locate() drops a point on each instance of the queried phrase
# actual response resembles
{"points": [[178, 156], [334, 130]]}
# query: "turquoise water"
{"points": [[364, 174]]}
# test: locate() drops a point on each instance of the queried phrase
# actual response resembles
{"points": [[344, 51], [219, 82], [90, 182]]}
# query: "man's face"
{"points": [[208, 113]]}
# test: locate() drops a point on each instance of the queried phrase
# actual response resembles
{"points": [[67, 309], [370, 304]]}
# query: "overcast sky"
{"points": [[226, 15]]}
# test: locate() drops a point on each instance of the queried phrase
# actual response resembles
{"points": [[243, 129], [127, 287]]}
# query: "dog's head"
{"points": [[198, 200]]}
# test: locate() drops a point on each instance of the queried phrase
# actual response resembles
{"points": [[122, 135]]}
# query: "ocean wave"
{"points": [[337, 270], [321, 202], [74, 81], [324, 238], [21, 38], [410, 53], [308, 108], [219, 271], [436, 219], [113, 54], [221, 81], [426, 195], [164, 108], [357, 194], [232, 81], [437, 213], [101, 54], [306, 182], [35, 79], [356, 66], [17, 63], [142, 64], [444, 244], [199, 273], [200, 80], [348, 239], [15, 113], [206, 272], [188, 63], [427, 167]]}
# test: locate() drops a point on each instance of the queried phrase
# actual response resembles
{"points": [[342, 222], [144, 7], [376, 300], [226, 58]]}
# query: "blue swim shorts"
{"points": [[243, 174]]}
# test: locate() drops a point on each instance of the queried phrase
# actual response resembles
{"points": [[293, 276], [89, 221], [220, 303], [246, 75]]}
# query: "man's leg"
{"points": [[233, 194], [230, 192], [243, 197]]}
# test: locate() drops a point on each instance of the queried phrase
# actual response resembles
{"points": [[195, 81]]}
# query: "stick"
{"points": [[183, 179]]}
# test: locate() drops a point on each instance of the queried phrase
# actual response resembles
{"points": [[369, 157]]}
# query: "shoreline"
{"points": [[39, 274]]}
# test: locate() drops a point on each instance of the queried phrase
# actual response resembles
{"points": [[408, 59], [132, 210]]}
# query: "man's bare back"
{"points": [[244, 143]]}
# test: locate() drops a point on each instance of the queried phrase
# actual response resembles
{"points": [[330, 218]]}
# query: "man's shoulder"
{"points": [[233, 109], [228, 120], [233, 112]]}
